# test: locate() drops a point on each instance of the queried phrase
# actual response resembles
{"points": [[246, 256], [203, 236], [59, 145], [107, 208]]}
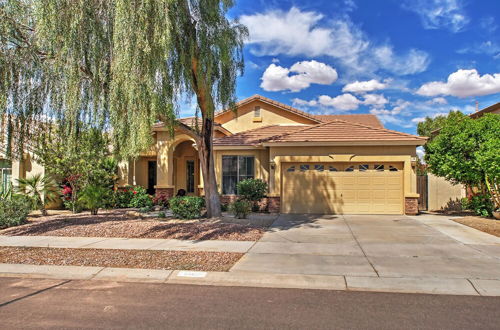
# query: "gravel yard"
{"points": [[115, 223], [146, 259], [490, 226]]}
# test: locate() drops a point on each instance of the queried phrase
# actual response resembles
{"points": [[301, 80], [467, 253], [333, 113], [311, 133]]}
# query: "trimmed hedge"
{"points": [[187, 207], [14, 211]]}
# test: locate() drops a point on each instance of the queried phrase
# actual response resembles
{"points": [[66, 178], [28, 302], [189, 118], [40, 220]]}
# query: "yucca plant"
{"points": [[40, 189], [94, 197]]}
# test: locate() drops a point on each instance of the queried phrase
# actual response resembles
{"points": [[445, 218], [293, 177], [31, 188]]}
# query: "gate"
{"points": [[422, 189]]}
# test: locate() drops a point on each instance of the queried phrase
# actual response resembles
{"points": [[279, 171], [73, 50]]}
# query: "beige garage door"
{"points": [[350, 188]]}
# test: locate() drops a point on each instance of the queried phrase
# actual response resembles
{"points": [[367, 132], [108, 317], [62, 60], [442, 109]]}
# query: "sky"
{"points": [[402, 60]]}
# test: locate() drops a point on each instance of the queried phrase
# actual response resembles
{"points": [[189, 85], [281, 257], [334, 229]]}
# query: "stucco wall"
{"points": [[243, 119], [442, 194]]}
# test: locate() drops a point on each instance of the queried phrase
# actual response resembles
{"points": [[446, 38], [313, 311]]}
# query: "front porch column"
{"points": [[164, 169]]}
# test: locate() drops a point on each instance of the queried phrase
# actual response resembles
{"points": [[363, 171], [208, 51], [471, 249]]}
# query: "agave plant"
{"points": [[94, 197], [40, 189]]}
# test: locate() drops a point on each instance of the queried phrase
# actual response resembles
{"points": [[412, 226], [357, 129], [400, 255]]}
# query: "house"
{"points": [[344, 164]]}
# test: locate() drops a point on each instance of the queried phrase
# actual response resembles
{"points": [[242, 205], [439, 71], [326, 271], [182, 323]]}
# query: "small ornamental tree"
{"points": [[465, 151]]}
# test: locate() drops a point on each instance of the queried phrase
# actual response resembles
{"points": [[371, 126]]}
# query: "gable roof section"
{"points": [[277, 104], [255, 136], [343, 131], [484, 111], [364, 119]]}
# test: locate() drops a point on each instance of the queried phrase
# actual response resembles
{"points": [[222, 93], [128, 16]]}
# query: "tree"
{"points": [[466, 151], [40, 189], [121, 64]]}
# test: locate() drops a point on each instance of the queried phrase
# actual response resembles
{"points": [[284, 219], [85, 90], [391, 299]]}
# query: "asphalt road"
{"points": [[37, 303]]}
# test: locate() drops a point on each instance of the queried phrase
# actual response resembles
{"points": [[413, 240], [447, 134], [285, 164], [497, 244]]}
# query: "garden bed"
{"points": [[146, 259], [490, 226], [116, 223]]}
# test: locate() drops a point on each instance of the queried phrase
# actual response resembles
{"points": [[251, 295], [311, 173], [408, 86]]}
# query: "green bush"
{"points": [[162, 215], [131, 196], [482, 205], [94, 197], [14, 211], [187, 207], [241, 208], [252, 189]]}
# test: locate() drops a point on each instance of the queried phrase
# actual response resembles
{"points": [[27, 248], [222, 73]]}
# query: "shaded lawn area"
{"points": [[146, 259], [490, 226], [116, 223]]}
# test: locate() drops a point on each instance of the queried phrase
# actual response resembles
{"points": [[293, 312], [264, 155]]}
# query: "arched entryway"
{"points": [[186, 168]]}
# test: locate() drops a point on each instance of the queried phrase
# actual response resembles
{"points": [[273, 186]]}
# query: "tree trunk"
{"points": [[206, 154]]}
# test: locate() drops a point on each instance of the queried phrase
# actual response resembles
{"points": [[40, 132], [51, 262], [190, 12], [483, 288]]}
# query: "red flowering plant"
{"points": [[161, 200]]}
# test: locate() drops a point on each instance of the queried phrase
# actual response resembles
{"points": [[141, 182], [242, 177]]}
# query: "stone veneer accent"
{"points": [[411, 205], [168, 192]]}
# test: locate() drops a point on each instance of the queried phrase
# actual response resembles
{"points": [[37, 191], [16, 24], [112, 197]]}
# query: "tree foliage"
{"points": [[466, 151], [118, 66]]}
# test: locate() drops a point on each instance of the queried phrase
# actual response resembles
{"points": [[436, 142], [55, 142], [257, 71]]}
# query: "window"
{"points": [[256, 112], [304, 167], [5, 174], [350, 169], [392, 168], [379, 168], [234, 170], [291, 169], [332, 169], [319, 168], [363, 168]]}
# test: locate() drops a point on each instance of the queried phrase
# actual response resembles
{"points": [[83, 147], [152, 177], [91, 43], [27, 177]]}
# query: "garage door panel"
{"points": [[355, 192]]}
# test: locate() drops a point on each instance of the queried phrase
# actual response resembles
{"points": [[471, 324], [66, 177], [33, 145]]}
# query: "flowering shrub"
{"points": [[187, 207], [161, 200], [132, 196]]}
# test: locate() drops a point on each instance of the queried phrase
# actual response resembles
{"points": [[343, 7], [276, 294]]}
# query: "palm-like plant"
{"points": [[94, 197], [40, 189]]}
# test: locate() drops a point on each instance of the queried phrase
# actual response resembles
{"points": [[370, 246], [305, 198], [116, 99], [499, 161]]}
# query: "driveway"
{"points": [[374, 246]]}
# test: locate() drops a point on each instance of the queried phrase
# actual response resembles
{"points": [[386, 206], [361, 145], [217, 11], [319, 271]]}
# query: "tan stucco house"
{"points": [[344, 164]]}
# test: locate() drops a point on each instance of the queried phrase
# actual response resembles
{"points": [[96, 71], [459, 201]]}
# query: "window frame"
{"points": [[5, 174], [235, 174], [257, 111]]}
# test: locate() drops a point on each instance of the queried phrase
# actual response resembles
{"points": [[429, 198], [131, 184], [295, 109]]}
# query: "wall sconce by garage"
{"points": [[272, 164], [413, 161]]}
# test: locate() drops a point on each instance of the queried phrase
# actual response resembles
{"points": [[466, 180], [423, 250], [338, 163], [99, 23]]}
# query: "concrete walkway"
{"points": [[126, 243]]}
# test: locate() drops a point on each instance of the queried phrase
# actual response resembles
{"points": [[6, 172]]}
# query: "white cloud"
{"points": [[297, 101], [488, 47], [463, 83], [420, 153], [399, 106], [306, 33], [275, 60], [364, 86], [437, 14], [438, 100], [341, 102], [278, 78], [375, 100]]}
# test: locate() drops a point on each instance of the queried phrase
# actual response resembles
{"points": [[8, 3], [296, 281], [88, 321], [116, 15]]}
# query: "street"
{"points": [[44, 303]]}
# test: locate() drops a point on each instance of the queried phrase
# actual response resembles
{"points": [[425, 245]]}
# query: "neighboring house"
{"points": [[441, 193], [344, 164]]}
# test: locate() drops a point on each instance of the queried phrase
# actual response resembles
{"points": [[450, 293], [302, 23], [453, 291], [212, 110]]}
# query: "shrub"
{"points": [[187, 207], [162, 215], [480, 204], [252, 189], [161, 200], [40, 189], [241, 208], [223, 207], [14, 210], [94, 197], [140, 198]]}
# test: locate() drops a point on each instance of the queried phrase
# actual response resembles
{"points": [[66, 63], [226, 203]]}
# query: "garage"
{"points": [[342, 188]]}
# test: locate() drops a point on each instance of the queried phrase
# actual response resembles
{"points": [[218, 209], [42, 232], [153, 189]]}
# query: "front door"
{"points": [[190, 169], [151, 177]]}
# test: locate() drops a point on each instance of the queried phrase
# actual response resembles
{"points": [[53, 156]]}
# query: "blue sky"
{"points": [[399, 59]]}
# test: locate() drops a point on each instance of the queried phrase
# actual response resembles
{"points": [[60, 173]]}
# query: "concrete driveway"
{"points": [[374, 246]]}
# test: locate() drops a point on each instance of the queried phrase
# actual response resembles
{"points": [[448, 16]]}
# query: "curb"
{"points": [[422, 285]]}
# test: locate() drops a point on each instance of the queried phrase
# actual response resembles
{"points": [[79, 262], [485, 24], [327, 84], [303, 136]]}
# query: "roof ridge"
{"points": [[250, 130], [275, 103], [301, 130], [354, 124]]}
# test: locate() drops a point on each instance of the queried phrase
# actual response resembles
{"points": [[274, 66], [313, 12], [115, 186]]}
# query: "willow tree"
{"points": [[119, 66]]}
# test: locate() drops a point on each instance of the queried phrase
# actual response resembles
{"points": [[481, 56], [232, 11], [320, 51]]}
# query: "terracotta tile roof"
{"points": [[343, 131], [364, 119], [272, 102], [484, 111], [255, 136]]}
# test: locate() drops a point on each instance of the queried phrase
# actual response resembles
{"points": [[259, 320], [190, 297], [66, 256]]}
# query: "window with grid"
{"points": [[234, 170], [5, 174]]}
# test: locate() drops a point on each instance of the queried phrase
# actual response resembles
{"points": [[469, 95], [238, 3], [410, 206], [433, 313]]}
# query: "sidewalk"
{"points": [[253, 279], [126, 243]]}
